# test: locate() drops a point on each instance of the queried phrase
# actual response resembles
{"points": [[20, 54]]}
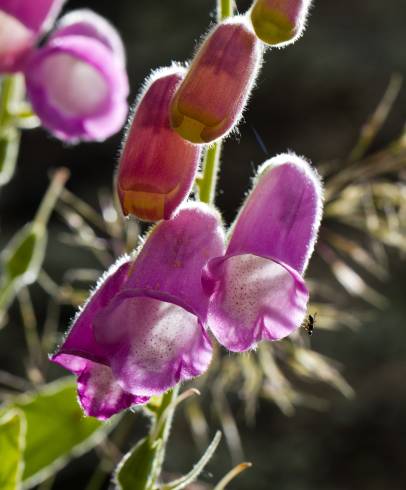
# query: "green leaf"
{"points": [[197, 469], [56, 429], [24, 254], [9, 146], [12, 432], [21, 261], [135, 469]]}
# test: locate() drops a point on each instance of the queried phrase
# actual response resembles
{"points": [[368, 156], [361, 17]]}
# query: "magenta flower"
{"points": [[21, 24], [143, 329], [211, 99], [77, 82], [256, 289], [157, 166]]}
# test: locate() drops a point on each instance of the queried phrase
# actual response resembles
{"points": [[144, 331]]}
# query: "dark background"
{"points": [[312, 98]]}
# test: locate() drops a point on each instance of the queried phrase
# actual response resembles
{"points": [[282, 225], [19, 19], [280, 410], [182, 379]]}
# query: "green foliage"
{"points": [[9, 145], [135, 470], [21, 261], [12, 431], [56, 429], [24, 255], [197, 469]]}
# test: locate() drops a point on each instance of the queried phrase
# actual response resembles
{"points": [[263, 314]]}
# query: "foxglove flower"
{"points": [[143, 329], [279, 22], [257, 291], [211, 99], [21, 24], [157, 166], [77, 82]]}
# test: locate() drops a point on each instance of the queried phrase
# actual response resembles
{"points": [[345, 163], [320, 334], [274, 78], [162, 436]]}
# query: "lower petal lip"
{"points": [[242, 315], [158, 341]]}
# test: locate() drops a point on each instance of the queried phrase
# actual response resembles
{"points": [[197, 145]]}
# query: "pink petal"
{"points": [[172, 258], [153, 344], [80, 341], [281, 216], [77, 88], [153, 331], [253, 298], [87, 23], [99, 393], [37, 15], [16, 41]]}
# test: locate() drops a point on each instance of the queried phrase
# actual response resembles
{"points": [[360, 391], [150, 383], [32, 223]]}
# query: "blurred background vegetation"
{"points": [[314, 98]]}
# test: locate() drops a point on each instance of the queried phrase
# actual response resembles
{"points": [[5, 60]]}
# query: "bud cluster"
{"points": [[203, 106]]}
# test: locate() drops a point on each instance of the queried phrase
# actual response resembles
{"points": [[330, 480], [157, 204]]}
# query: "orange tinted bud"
{"points": [[157, 167], [210, 100], [279, 22]]}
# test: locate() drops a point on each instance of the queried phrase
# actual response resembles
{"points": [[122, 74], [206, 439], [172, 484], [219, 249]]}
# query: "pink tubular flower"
{"points": [[279, 22], [77, 82], [157, 166], [256, 289], [21, 23], [143, 329], [210, 100]]}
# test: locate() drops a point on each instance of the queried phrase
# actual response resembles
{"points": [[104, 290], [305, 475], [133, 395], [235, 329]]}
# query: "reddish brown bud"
{"points": [[210, 100], [157, 166]]}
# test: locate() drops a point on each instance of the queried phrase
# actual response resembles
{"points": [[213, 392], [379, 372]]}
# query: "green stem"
{"points": [[52, 195], [161, 429], [207, 189], [6, 92], [211, 163], [224, 9]]}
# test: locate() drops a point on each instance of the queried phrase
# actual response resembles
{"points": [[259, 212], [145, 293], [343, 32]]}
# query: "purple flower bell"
{"points": [[256, 289], [143, 330], [21, 23], [77, 82]]}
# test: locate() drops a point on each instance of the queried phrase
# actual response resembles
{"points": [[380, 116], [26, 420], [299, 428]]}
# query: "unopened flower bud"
{"points": [[213, 95], [77, 83], [21, 23], [279, 22], [157, 166]]}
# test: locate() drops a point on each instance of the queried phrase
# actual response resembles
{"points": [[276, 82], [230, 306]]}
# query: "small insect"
{"points": [[310, 323]]}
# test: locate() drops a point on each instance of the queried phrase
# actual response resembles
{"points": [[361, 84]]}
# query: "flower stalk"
{"points": [[207, 187], [211, 162]]}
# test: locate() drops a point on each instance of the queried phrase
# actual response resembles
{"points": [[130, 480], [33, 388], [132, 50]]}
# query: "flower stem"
{"points": [[224, 9], [52, 195], [207, 189], [211, 162], [211, 165], [161, 429], [6, 91]]}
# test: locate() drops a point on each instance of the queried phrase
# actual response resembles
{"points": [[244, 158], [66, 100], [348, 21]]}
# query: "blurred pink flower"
{"points": [[77, 82]]}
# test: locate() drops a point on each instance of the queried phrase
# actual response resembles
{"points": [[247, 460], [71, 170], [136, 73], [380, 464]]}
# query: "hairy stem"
{"points": [[207, 189], [211, 162]]}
